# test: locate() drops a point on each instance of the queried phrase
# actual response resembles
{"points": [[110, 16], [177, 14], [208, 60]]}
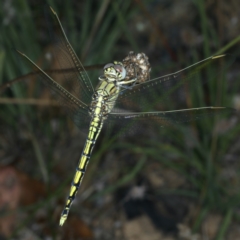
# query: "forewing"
{"points": [[76, 81], [171, 91], [166, 100], [73, 88]]}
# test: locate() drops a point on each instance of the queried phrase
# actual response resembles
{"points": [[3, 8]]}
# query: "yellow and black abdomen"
{"points": [[102, 103], [94, 130]]}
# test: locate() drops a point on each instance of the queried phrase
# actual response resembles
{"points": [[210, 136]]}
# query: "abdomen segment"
{"points": [[94, 130]]}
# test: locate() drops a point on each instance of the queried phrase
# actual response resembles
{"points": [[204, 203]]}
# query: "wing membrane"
{"points": [[129, 123], [73, 88], [76, 109], [77, 81], [170, 91], [147, 102]]}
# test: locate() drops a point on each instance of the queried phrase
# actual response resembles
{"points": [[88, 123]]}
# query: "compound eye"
{"points": [[108, 65], [121, 69]]}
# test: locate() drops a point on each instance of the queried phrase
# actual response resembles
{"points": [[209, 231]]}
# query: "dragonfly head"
{"points": [[114, 71]]}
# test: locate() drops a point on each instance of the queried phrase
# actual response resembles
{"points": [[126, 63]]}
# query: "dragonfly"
{"points": [[125, 95]]}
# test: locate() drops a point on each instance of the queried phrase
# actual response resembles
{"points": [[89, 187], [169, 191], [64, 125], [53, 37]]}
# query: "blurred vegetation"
{"points": [[197, 164]]}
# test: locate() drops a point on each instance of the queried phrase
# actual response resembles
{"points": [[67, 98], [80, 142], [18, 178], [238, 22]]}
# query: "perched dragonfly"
{"points": [[123, 85]]}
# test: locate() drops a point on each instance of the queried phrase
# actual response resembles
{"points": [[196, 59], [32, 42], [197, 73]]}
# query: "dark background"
{"points": [[162, 183]]}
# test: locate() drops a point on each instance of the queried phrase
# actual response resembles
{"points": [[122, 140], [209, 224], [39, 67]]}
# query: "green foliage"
{"points": [[100, 32]]}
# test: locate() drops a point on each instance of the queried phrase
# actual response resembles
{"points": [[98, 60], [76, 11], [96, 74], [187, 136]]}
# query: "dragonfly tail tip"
{"points": [[61, 222], [63, 218]]}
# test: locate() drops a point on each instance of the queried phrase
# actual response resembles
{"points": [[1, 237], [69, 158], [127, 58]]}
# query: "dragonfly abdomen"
{"points": [[94, 130], [99, 108]]}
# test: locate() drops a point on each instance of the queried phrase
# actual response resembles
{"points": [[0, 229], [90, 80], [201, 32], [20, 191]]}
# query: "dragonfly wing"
{"points": [[77, 80], [76, 109], [172, 91], [72, 88], [129, 123]]}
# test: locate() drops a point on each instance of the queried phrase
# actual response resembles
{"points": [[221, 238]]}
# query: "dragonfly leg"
{"points": [[124, 84], [102, 78]]}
